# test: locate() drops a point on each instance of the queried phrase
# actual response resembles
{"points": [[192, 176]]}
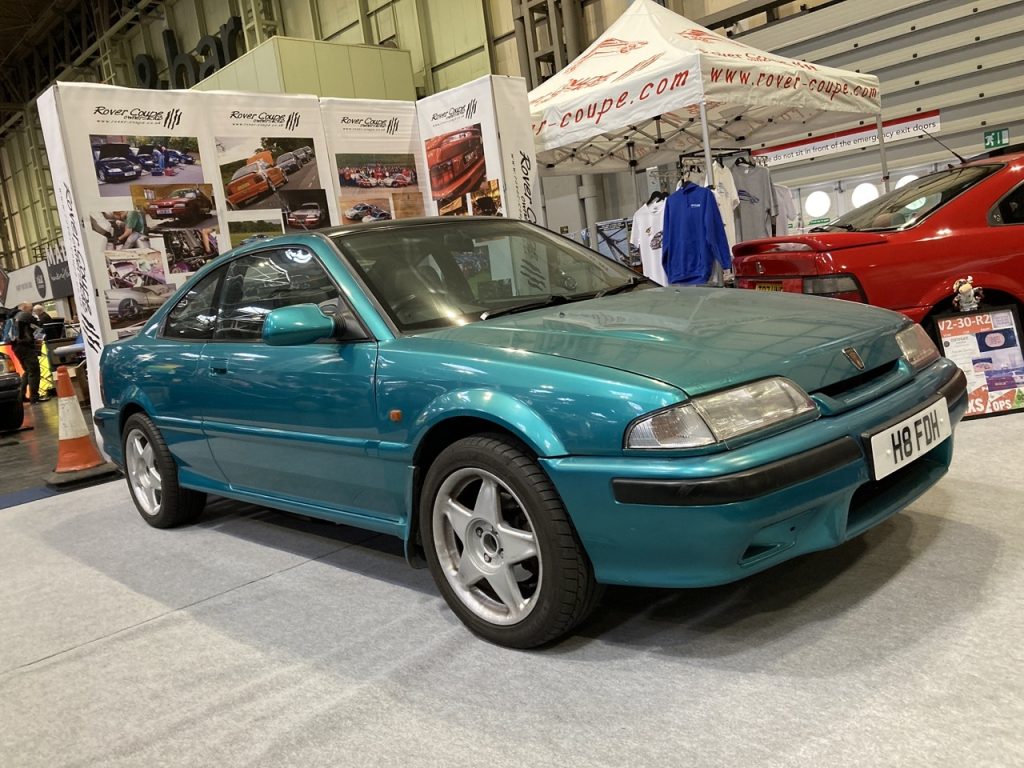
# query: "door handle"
{"points": [[218, 367]]}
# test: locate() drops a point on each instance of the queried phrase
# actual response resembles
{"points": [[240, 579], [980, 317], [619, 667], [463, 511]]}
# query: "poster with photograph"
{"points": [[479, 159], [262, 226], [140, 179], [376, 153], [122, 159], [986, 345]]}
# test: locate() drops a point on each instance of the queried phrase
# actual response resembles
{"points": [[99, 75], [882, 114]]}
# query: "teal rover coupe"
{"points": [[536, 427]]}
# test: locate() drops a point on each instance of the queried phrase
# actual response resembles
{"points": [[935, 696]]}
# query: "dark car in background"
{"points": [[304, 154], [905, 249], [12, 409], [115, 162], [288, 162], [177, 157]]}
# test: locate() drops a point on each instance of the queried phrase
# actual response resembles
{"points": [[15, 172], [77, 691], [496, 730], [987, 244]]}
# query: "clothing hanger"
{"points": [[744, 161], [655, 196]]}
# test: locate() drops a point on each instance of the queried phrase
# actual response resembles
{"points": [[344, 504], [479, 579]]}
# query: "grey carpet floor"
{"points": [[256, 639]]}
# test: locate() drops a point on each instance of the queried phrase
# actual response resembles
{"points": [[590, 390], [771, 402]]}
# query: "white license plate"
{"points": [[913, 437], [164, 211]]}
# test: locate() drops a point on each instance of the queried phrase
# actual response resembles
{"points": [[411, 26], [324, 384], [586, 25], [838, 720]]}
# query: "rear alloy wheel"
{"points": [[152, 477], [500, 544]]}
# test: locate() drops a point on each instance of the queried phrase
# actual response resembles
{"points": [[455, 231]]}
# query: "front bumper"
{"points": [[706, 520]]}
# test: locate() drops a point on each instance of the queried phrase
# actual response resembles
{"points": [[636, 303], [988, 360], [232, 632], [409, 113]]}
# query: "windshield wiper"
{"points": [[627, 286], [550, 301]]}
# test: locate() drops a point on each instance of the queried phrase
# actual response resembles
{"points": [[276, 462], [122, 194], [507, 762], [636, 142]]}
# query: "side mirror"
{"points": [[297, 325]]}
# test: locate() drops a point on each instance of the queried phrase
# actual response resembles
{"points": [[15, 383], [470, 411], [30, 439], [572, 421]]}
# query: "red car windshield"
{"points": [[910, 204]]}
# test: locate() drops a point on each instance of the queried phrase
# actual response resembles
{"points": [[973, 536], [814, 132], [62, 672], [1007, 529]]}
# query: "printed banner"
{"points": [[375, 147], [986, 345], [152, 185], [855, 138]]}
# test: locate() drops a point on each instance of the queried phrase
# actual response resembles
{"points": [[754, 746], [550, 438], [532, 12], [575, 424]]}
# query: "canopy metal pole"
{"points": [[632, 172], [881, 151], [708, 168]]}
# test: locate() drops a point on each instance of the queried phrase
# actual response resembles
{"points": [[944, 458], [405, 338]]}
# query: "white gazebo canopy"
{"points": [[655, 84]]}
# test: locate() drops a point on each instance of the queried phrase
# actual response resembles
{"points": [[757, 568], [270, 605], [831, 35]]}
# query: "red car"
{"points": [[904, 250], [183, 204]]}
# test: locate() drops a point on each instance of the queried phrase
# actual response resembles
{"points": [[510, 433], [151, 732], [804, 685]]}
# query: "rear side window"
{"points": [[258, 284], [910, 204], [194, 317], [1009, 210]]}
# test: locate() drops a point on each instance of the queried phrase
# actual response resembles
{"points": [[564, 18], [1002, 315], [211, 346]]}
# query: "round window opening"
{"points": [[904, 180], [818, 204], [864, 193]]}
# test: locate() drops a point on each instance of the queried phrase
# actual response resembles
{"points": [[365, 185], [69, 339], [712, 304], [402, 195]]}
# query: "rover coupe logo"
{"points": [[292, 122], [392, 126], [471, 109], [172, 119], [854, 357]]}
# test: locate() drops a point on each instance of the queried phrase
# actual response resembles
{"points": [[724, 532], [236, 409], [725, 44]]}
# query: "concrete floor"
{"points": [[259, 639]]}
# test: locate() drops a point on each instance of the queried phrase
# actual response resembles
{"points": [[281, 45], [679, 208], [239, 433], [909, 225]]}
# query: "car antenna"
{"points": [[957, 156]]}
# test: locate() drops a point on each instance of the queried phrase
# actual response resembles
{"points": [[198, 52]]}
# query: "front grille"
{"points": [[844, 387]]}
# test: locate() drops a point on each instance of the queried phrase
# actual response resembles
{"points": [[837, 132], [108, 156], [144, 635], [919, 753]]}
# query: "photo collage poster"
{"points": [[374, 146], [164, 182]]}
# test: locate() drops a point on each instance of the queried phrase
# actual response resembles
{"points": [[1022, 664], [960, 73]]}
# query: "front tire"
{"points": [[500, 544], [153, 477]]}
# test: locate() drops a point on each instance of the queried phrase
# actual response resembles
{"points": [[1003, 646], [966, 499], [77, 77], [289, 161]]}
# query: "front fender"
{"points": [[497, 407]]}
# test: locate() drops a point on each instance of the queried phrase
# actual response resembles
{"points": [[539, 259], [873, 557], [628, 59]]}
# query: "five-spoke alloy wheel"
{"points": [[153, 476], [500, 544]]}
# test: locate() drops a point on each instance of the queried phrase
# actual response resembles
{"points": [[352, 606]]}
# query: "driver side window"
{"points": [[257, 284], [1009, 210]]}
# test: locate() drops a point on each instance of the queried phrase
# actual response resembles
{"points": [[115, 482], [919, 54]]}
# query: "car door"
{"points": [[297, 423]]}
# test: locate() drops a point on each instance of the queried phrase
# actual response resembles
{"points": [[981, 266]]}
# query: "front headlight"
{"points": [[917, 347], [723, 415]]}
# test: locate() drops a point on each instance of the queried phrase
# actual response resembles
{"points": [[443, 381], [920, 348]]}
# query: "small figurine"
{"points": [[965, 295]]}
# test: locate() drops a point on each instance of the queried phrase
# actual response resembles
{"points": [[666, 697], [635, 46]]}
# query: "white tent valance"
{"points": [[636, 95]]}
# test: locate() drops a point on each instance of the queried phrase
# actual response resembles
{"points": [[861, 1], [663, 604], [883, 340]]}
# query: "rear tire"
{"points": [[13, 417], [500, 544], [152, 476]]}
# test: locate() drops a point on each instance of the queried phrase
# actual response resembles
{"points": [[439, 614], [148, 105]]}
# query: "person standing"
{"points": [[41, 315], [25, 350]]}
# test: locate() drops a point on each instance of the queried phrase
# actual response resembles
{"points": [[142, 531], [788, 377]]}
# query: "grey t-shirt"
{"points": [[757, 201]]}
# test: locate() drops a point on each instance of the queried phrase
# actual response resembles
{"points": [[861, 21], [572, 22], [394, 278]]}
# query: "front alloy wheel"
{"points": [[152, 476], [486, 546], [500, 544]]}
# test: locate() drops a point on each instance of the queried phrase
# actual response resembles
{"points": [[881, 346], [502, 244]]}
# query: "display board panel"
{"points": [[375, 149], [479, 152], [986, 345]]}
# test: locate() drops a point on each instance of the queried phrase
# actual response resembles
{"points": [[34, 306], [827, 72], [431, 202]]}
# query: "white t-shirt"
{"points": [[728, 199], [646, 236]]}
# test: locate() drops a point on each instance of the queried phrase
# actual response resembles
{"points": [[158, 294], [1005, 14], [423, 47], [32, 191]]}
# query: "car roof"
{"points": [[407, 223]]}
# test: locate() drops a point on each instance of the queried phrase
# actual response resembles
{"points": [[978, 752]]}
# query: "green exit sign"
{"points": [[997, 138], [818, 222]]}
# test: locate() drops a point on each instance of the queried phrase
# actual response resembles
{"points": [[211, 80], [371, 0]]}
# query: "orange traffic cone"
{"points": [[78, 459]]}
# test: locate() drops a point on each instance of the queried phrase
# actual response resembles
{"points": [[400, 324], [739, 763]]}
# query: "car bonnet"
{"points": [[702, 339]]}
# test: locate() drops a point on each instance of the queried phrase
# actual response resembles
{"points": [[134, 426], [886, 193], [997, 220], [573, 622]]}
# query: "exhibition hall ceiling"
{"points": [[23, 24]]}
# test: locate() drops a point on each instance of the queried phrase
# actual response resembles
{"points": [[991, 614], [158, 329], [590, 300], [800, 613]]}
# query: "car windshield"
{"points": [[442, 274], [309, 208], [909, 204], [285, 158], [245, 170], [184, 193]]}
